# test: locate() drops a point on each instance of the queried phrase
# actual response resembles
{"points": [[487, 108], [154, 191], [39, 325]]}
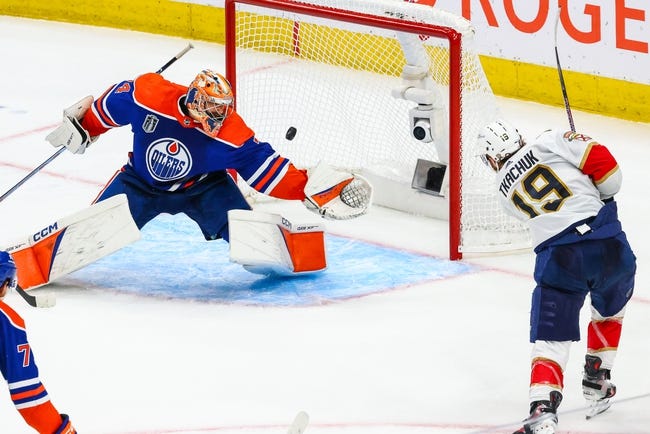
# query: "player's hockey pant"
{"points": [[206, 202], [600, 263]]}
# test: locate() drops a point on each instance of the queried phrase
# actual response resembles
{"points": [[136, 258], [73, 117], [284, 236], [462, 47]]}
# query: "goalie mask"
{"points": [[7, 269], [500, 141], [210, 100]]}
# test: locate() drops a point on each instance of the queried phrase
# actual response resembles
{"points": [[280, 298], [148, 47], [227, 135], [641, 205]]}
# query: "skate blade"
{"points": [[597, 408], [543, 429]]}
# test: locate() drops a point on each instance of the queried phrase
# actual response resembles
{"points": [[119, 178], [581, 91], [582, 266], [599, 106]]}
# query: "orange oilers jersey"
{"points": [[19, 370], [558, 179], [171, 150]]}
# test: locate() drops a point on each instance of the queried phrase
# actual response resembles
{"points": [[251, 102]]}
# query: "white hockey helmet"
{"points": [[500, 140], [210, 100]]}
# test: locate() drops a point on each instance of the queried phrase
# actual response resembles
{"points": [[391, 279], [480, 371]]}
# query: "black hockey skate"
{"points": [[597, 387], [543, 416]]}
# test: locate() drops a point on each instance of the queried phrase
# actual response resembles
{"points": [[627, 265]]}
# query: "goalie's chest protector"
{"points": [[167, 145]]}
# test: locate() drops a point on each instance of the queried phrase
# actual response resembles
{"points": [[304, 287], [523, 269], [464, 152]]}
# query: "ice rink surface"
{"points": [[441, 353]]}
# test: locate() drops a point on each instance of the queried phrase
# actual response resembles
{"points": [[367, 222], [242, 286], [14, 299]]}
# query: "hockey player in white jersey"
{"points": [[563, 184]]}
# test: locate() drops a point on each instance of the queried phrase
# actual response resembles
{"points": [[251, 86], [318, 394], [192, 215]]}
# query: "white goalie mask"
{"points": [[500, 140], [210, 100]]}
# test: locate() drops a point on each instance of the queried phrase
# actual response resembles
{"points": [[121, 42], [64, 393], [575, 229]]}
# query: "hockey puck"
{"points": [[291, 133]]}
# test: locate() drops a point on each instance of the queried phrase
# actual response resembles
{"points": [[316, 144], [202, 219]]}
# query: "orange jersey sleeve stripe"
{"points": [[271, 173], [91, 121], [43, 418], [12, 315], [28, 393], [99, 107], [292, 185]]}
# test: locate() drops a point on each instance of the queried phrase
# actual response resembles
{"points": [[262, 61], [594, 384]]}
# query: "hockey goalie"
{"points": [[185, 141]]}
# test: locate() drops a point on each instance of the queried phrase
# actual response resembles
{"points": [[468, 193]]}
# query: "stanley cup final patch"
{"points": [[150, 123]]}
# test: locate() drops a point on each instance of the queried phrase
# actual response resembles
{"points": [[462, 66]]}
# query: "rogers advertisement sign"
{"points": [[600, 37], [608, 38]]}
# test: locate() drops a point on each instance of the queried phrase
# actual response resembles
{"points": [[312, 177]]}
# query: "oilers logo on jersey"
{"points": [[168, 160]]}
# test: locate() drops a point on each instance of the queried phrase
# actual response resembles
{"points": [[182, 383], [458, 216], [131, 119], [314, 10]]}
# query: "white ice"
{"points": [[447, 356]]}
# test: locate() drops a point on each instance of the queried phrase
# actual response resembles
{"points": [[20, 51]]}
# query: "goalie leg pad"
{"points": [[74, 242], [266, 243]]}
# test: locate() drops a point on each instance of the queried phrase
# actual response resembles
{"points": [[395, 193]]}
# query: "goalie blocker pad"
{"points": [[265, 243], [70, 133], [74, 242]]}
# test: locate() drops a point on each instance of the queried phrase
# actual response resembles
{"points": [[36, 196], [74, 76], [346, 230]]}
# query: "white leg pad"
{"points": [[265, 243], [74, 241]]}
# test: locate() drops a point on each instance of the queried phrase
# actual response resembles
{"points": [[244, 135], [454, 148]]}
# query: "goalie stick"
{"points": [[37, 300], [63, 148]]}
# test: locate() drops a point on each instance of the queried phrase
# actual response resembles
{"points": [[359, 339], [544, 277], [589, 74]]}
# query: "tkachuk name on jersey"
{"points": [[515, 170]]}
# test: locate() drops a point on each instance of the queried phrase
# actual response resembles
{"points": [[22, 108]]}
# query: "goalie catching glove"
{"points": [[70, 133], [336, 194]]}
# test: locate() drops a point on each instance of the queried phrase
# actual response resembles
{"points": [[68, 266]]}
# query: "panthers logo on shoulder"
{"points": [[571, 136]]}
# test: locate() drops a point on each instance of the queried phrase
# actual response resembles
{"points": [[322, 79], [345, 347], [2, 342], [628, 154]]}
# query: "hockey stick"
{"points": [[63, 148], [37, 300], [175, 58], [561, 75], [32, 173]]}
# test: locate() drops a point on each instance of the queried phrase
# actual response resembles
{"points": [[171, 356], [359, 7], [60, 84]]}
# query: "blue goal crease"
{"points": [[172, 260]]}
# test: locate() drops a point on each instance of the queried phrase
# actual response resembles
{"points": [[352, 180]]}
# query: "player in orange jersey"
{"points": [[19, 367], [186, 142]]}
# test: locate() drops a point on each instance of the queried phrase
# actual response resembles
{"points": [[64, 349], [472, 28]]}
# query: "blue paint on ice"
{"points": [[173, 260]]}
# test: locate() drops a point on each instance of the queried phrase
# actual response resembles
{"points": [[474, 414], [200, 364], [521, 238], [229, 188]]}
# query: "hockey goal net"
{"points": [[361, 82]]}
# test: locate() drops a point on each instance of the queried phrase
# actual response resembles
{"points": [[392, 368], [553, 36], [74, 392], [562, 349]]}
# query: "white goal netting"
{"points": [[339, 79]]}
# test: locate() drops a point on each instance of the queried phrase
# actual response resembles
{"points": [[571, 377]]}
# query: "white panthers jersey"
{"points": [[557, 180]]}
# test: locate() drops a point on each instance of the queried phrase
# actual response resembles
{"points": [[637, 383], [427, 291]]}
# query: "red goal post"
{"points": [[272, 46]]}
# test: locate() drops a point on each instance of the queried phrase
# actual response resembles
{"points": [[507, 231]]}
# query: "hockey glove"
{"points": [[66, 427], [336, 194], [70, 133]]}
